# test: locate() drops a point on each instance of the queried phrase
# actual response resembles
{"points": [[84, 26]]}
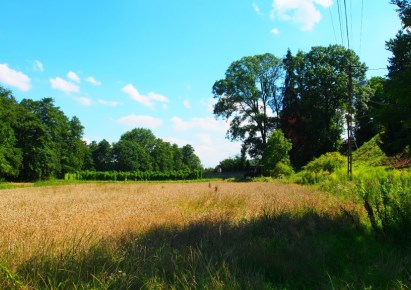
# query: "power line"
{"points": [[332, 22], [346, 24], [339, 20]]}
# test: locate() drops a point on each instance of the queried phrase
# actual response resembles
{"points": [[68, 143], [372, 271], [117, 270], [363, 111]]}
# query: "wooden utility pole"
{"points": [[349, 123]]}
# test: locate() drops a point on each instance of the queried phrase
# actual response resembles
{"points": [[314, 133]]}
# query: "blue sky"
{"points": [[123, 64]]}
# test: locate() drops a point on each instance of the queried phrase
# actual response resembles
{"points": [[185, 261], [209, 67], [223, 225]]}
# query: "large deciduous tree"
{"points": [[10, 155], [250, 98]]}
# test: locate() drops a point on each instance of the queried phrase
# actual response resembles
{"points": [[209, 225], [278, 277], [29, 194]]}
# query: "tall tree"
{"points": [[10, 155], [247, 96], [189, 158], [316, 98], [396, 113], [102, 155], [131, 156]]}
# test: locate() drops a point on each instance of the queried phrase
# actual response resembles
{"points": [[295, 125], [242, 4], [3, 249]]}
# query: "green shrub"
{"points": [[386, 195], [281, 170], [135, 175], [321, 168]]}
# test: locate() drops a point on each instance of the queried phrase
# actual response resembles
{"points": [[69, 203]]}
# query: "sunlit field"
{"points": [[215, 235]]}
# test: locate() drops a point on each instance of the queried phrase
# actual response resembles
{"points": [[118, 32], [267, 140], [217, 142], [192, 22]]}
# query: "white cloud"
{"points": [[73, 76], [146, 100], [275, 31], [84, 101], [140, 121], [257, 9], [187, 104], [14, 78], [38, 65], [93, 81], [109, 103], [205, 124], [64, 86], [205, 138], [304, 13]]}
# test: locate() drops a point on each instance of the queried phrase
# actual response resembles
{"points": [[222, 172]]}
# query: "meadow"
{"points": [[198, 235]]}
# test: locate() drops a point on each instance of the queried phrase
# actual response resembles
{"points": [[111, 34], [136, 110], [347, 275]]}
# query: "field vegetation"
{"points": [[209, 235]]}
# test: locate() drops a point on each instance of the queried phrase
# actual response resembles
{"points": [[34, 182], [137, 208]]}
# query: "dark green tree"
{"points": [[162, 156], [246, 97], [189, 159], [10, 155], [236, 163], [102, 155], [277, 150], [370, 99], [40, 158], [316, 99], [396, 113], [131, 156]]}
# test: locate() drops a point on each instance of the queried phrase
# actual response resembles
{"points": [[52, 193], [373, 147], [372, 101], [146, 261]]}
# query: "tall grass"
{"points": [[191, 236]]}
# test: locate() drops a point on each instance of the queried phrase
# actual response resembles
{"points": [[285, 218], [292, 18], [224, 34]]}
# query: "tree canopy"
{"points": [[395, 115], [38, 141], [248, 96]]}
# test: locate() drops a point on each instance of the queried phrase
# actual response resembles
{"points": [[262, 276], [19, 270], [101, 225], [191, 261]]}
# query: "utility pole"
{"points": [[349, 123]]}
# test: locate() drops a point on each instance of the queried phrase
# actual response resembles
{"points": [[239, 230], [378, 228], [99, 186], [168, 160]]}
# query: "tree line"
{"points": [[38, 141], [306, 97]]}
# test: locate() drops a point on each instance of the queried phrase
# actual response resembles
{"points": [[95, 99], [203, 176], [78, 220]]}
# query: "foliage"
{"points": [[135, 175], [396, 113], [370, 153], [276, 150], [249, 89], [10, 156], [387, 200], [281, 170], [369, 100], [315, 99], [404, 11], [321, 168], [236, 163]]}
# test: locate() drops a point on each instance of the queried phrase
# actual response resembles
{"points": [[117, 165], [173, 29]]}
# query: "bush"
{"points": [[281, 170], [387, 200], [135, 175], [321, 168]]}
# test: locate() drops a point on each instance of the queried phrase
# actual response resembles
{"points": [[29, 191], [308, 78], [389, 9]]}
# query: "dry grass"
{"points": [[36, 219]]}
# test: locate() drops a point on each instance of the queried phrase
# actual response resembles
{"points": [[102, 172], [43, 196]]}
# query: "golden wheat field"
{"points": [[59, 217]]}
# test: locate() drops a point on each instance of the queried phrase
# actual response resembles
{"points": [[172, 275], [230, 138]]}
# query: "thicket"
{"points": [[135, 175], [383, 192]]}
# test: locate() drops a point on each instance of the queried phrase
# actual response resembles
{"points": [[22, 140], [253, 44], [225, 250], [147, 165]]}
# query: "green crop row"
{"points": [[135, 175]]}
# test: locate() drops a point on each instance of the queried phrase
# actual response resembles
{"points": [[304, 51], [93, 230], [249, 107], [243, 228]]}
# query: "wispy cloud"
{"points": [[84, 101], [73, 76], [93, 81], [141, 121], [14, 78], [146, 100], [64, 86], [187, 104], [109, 103], [257, 9], [207, 124], [303, 13], [38, 65], [275, 31]]}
